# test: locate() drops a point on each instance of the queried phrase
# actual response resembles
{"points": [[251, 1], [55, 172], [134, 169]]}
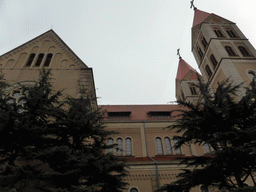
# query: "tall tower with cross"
{"points": [[186, 77], [221, 50]]}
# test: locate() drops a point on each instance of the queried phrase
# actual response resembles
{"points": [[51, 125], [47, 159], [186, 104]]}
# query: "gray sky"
{"points": [[130, 44]]}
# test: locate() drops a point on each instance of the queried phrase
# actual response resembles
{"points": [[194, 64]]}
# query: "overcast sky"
{"points": [[130, 44]]}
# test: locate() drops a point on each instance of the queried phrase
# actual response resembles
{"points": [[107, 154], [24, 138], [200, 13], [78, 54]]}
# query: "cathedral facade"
{"points": [[221, 51]]}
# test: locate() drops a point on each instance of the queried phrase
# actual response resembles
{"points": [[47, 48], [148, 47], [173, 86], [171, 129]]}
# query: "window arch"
{"points": [[218, 32], [208, 71], [230, 51], [48, 59], [168, 145], [30, 60], [213, 60], [251, 74], [207, 147], [110, 141], [39, 59], [119, 142], [244, 51], [133, 189], [159, 146], [204, 42], [204, 188], [231, 33], [128, 146]]}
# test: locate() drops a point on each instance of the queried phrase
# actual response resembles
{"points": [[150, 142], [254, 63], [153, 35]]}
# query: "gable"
{"points": [[48, 51], [47, 46]]}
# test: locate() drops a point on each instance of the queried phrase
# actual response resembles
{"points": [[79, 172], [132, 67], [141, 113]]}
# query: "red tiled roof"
{"points": [[140, 112], [183, 69], [200, 16]]}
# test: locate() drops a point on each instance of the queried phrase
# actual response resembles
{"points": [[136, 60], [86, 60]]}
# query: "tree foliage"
{"points": [[51, 144], [228, 126]]}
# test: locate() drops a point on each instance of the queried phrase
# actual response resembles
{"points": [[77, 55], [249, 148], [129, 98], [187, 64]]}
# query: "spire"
{"points": [[199, 16], [183, 69]]}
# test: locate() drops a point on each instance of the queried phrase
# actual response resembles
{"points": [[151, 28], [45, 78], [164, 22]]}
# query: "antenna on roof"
{"points": [[192, 5], [178, 53]]}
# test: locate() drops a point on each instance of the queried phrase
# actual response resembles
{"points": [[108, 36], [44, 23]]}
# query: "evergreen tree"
{"points": [[78, 157], [228, 126], [24, 126], [48, 145]]}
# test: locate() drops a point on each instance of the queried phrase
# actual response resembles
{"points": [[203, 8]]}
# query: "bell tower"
{"points": [[186, 77], [221, 50]]}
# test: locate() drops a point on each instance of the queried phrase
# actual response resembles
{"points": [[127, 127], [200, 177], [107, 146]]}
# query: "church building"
{"points": [[221, 51]]}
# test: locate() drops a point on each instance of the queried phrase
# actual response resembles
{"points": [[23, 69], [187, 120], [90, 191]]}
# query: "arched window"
{"points": [[230, 51], [204, 42], [39, 59], [213, 60], [208, 71], [30, 60], [159, 146], [110, 142], [177, 150], [200, 52], [244, 51], [193, 90], [119, 142], [48, 60], [231, 33], [207, 147], [133, 190], [128, 146], [218, 32], [251, 74], [204, 188], [168, 145]]}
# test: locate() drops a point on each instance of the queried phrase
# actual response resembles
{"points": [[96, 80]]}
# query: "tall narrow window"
{"points": [[168, 145], [204, 42], [207, 147], [218, 32], [177, 150], [244, 51], [30, 60], [208, 71], [48, 59], [119, 142], [213, 61], [230, 51], [39, 59], [231, 33], [193, 90], [110, 142], [128, 146], [200, 52], [159, 146]]}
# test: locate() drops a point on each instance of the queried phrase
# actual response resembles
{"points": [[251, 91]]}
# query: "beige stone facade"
{"points": [[150, 156]]}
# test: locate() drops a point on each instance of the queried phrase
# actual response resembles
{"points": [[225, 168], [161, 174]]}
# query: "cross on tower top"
{"points": [[192, 4], [178, 53]]}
